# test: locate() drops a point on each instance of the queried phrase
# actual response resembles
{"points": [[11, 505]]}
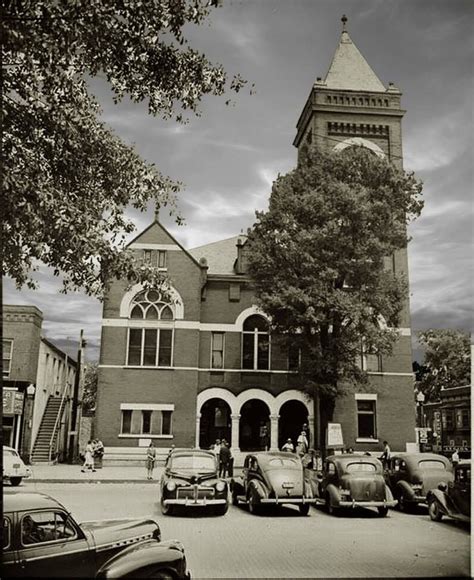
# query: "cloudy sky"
{"points": [[228, 157]]}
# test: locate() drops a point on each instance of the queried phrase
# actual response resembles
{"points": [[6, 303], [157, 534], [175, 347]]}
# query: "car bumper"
{"points": [[297, 500], [191, 502], [16, 473], [353, 503]]}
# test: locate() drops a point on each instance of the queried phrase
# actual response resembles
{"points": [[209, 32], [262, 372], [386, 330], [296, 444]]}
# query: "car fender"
{"points": [[260, 488], [147, 555], [405, 488], [440, 498], [334, 494], [388, 493]]}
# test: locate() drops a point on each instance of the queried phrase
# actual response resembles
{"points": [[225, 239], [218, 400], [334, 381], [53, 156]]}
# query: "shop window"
{"points": [[256, 343], [7, 349], [217, 350], [447, 417], [366, 419], [146, 422]]}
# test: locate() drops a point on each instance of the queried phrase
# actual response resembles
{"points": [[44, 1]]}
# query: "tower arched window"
{"points": [[150, 345], [256, 343]]}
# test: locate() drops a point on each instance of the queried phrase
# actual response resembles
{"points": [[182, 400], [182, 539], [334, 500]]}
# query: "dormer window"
{"points": [[155, 258]]}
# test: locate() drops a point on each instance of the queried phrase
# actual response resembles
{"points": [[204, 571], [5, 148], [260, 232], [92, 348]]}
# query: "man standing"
{"points": [[224, 460], [385, 457], [150, 460], [455, 457]]}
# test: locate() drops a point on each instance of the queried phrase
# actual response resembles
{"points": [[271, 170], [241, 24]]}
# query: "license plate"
{"points": [[16, 466], [287, 485]]}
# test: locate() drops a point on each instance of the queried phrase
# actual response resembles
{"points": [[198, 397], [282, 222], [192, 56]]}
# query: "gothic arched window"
{"points": [[150, 345], [256, 343]]}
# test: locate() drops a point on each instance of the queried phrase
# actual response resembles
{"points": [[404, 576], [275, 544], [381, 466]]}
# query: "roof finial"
{"points": [[157, 210], [344, 21]]}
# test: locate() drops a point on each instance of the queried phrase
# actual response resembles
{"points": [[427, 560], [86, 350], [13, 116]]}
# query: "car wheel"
{"points": [[254, 502], [304, 509], [434, 511], [403, 504], [166, 509], [383, 511], [15, 480]]}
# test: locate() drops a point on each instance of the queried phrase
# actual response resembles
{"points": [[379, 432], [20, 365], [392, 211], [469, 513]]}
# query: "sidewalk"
{"points": [[64, 473]]}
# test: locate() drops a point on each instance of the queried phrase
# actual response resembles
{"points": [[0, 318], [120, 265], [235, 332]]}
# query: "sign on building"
{"points": [[334, 437]]}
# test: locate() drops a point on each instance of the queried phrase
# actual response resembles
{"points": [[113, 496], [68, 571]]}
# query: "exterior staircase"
{"points": [[43, 438]]}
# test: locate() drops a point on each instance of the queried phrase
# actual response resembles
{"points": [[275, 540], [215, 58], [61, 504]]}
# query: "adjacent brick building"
{"points": [[203, 365]]}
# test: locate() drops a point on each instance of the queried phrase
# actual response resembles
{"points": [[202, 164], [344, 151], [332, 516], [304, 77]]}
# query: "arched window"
{"points": [[150, 346], [256, 343]]}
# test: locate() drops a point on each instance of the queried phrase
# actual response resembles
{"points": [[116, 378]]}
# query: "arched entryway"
{"points": [[293, 415], [254, 429], [215, 422]]}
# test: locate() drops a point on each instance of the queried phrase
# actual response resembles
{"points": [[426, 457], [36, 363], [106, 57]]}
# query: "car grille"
{"points": [[195, 492]]}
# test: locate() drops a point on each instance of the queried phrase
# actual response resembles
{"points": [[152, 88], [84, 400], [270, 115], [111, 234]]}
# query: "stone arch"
{"points": [[259, 394], [293, 395], [218, 393], [136, 288], [359, 141], [239, 321]]}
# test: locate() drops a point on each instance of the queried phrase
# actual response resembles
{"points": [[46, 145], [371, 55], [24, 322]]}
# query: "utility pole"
{"points": [[75, 397]]}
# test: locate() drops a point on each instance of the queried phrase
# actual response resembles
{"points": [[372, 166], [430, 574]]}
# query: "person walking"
{"points": [[302, 444], [224, 460], [288, 446], [150, 460], [385, 457], [88, 458]]}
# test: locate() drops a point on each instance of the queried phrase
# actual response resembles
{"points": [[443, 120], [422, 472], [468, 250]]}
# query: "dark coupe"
{"points": [[41, 539], [453, 499], [191, 479], [412, 475], [273, 477], [350, 481]]}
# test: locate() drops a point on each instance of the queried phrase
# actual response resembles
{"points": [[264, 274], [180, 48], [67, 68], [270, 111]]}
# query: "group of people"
{"points": [[226, 462], [94, 451], [302, 443]]}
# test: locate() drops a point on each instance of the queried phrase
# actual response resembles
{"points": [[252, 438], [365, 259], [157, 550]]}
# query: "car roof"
{"points": [[14, 501], [264, 457], [351, 457], [191, 450], [415, 457]]}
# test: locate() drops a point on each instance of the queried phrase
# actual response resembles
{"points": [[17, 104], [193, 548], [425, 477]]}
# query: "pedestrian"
{"points": [[98, 448], [288, 446], [224, 460], [88, 458], [350, 450], [172, 448], [301, 444], [385, 457], [150, 460], [455, 457], [217, 447]]}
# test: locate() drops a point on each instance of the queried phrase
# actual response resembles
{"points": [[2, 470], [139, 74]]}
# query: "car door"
{"points": [[52, 545], [460, 489], [10, 568]]}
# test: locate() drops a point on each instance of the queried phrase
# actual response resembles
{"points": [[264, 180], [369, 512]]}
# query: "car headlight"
{"points": [[171, 486], [220, 486]]}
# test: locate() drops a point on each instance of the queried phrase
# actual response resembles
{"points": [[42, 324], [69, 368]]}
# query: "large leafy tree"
{"points": [[447, 361], [318, 260], [67, 177], [89, 394]]}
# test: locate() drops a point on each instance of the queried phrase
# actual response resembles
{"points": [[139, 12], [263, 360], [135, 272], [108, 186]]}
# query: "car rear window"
{"points": [[193, 462], [355, 467], [283, 462], [431, 464]]}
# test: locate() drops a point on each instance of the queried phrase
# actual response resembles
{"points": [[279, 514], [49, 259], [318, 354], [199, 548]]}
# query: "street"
{"points": [[283, 544]]}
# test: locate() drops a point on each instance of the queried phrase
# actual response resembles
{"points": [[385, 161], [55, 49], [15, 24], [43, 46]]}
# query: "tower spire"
{"points": [[344, 22]]}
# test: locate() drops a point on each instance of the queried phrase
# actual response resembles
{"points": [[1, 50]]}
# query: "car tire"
{"points": [[403, 505], [166, 509], [304, 509], [383, 511], [15, 480], [253, 502], [434, 511]]}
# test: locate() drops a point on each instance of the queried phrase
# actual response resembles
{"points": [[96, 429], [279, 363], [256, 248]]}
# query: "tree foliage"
{"points": [[67, 177], [447, 361], [318, 256], [89, 393]]}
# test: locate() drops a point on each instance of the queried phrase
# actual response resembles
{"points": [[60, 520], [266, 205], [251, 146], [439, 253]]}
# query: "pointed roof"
{"points": [[349, 70], [220, 255]]}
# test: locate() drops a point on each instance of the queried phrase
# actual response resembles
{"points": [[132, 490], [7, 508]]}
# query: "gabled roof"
{"points": [[350, 71], [220, 255]]}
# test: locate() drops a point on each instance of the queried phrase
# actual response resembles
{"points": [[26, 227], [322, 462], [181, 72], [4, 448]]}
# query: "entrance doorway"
{"points": [[254, 431], [293, 415], [215, 423], [7, 430]]}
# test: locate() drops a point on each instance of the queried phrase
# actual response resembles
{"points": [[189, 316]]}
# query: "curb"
{"points": [[75, 480]]}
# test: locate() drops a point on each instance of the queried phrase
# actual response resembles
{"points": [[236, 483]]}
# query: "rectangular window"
{"points": [[146, 422], [161, 259], [148, 257], [217, 350], [147, 346], [263, 353], [366, 426], [372, 362], [465, 419], [7, 348], [247, 351]]}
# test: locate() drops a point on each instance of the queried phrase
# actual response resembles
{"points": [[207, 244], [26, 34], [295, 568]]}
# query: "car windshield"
{"points": [[10, 453], [355, 467], [283, 462], [193, 463], [431, 464]]}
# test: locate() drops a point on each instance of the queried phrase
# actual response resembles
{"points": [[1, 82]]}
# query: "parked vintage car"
{"points": [[354, 480], [411, 475], [41, 539], [191, 479], [454, 498], [273, 477], [13, 467]]}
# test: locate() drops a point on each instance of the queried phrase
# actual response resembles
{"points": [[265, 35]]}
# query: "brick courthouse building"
{"points": [[204, 365]]}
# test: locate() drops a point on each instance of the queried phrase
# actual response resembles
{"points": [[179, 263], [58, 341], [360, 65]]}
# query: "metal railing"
{"points": [[56, 425]]}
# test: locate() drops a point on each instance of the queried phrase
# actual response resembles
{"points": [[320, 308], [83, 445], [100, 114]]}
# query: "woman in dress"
{"points": [[89, 458]]}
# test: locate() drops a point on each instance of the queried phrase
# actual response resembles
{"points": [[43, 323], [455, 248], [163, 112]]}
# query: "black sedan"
{"points": [[41, 539], [454, 498], [191, 480]]}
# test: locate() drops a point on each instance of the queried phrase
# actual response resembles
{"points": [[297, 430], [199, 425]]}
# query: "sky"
{"points": [[229, 156]]}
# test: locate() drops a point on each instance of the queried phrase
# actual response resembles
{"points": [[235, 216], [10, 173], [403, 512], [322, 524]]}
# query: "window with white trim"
{"points": [[256, 343], [155, 258], [366, 418], [150, 346], [217, 350], [369, 360], [146, 422], [7, 349]]}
